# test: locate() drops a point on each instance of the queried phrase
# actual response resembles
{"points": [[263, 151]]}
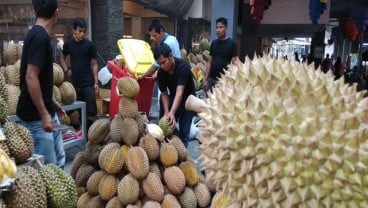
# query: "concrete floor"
{"points": [[154, 112]]}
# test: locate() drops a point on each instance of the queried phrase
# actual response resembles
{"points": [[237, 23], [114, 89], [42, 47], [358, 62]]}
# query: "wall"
{"points": [[281, 10]]}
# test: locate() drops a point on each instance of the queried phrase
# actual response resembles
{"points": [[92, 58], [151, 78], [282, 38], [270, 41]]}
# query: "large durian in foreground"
{"points": [[279, 134]]}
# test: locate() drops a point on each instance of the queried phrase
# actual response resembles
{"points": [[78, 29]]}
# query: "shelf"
{"points": [[70, 142]]}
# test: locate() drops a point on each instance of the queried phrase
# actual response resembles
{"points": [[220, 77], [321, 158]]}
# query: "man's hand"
{"points": [[47, 123], [97, 88], [172, 120]]}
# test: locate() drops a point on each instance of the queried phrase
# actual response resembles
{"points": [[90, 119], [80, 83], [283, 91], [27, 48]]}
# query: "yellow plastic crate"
{"points": [[137, 54]]}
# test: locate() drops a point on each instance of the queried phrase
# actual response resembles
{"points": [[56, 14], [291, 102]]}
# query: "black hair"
{"points": [[44, 8], [162, 49], [223, 20], [156, 25], [79, 22]]}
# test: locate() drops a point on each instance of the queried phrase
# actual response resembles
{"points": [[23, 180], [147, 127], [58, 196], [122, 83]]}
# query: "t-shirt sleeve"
{"points": [[162, 85], [185, 74], [65, 49], [37, 51]]}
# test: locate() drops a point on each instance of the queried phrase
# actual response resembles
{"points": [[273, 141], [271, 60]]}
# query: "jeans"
{"points": [[184, 118], [48, 144]]}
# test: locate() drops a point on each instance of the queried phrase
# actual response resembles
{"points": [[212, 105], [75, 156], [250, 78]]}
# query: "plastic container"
{"points": [[144, 97], [137, 55]]}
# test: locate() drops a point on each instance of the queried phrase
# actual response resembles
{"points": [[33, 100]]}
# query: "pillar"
{"points": [[227, 9], [107, 27], [137, 28]]}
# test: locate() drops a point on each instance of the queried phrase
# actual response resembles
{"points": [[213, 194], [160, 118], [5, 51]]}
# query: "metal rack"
{"points": [[74, 106]]}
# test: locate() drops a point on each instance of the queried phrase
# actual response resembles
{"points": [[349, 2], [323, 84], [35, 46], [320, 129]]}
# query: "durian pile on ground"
{"points": [[280, 134], [124, 166], [198, 61], [48, 187]]}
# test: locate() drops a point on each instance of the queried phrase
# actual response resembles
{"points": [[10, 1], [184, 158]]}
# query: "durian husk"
{"points": [[291, 137]]}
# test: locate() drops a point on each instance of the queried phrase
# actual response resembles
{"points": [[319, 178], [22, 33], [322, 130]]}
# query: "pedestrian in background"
{"points": [[84, 68], [223, 51], [37, 109]]}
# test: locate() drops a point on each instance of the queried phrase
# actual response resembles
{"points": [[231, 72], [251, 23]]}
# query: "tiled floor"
{"points": [[154, 112]]}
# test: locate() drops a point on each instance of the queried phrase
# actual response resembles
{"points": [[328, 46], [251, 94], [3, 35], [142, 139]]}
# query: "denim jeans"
{"points": [[48, 144]]}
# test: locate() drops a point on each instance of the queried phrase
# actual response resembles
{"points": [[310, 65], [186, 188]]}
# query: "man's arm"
{"points": [[165, 102], [34, 89], [177, 99], [63, 62], [208, 68], [95, 73]]}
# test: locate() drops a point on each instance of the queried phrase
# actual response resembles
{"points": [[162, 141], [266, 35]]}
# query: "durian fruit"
{"points": [[56, 93], [129, 131], [83, 173], [151, 146], [19, 141], [128, 86], [83, 200], [78, 160], [183, 53], [203, 194], [179, 146], [170, 201], [93, 182], [174, 179], [128, 190], [168, 155], [67, 92], [291, 137], [24, 193], [114, 203], [188, 198], [99, 130], [204, 44], [37, 184], [92, 153], [60, 187], [3, 90], [108, 186], [111, 158], [58, 74], [190, 172], [141, 120], [96, 201], [151, 204], [3, 110], [153, 187], [164, 124], [12, 101], [12, 52], [128, 107], [115, 128], [14, 73], [138, 163]]}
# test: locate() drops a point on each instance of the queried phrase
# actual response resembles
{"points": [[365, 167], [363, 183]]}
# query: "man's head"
{"points": [[45, 8], [221, 27], [157, 31], [79, 29], [164, 57]]}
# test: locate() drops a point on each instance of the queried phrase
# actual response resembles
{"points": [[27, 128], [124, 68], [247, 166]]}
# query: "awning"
{"points": [[171, 8]]}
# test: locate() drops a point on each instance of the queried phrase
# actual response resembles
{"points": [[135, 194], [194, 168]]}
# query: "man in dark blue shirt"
{"points": [[175, 75], [84, 67]]}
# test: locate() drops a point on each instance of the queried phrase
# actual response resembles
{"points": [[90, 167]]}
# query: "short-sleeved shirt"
{"points": [[37, 50], [173, 44], [81, 54], [181, 76], [221, 51]]}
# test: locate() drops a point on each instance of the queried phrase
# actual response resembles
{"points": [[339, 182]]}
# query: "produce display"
{"points": [[136, 168], [276, 133]]}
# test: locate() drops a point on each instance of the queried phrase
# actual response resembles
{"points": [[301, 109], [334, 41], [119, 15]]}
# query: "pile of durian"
{"points": [[197, 60], [63, 91], [125, 166], [280, 134]]}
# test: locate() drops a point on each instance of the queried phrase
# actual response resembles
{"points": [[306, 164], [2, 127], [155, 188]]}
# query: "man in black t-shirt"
{"points": [[175, 75], [84, 67], [36, 107], [222, 51]]}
